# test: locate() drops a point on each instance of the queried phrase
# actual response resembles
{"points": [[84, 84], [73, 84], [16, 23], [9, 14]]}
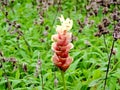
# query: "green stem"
{"points": [[108, 65], [64, 84]]}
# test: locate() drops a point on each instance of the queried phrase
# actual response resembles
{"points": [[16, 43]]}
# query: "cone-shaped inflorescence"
{"points": [[61, 45]]}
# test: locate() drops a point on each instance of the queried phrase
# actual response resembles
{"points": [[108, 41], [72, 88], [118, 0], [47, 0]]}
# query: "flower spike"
{"points": [[62, 44]]}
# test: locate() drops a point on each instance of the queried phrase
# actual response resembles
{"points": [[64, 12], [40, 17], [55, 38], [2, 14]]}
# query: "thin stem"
{"points": [[41, 74], [41, 77], [108, 65], [105, 43], [55, 78], [6, 77], [58, 9], [64, 84], [8, 83], [29, 48]]}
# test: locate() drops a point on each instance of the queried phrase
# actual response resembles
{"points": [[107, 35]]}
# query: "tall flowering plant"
{"points": [[61, 46]]}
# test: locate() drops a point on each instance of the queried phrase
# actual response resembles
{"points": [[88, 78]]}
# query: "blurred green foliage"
{"points": [[87, 72]]}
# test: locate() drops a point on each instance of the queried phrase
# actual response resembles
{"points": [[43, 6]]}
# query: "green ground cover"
{"points": [[25, 47]]}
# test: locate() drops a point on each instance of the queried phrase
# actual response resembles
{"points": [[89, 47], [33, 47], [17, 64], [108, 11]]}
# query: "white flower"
{"points": [[67, 24]]}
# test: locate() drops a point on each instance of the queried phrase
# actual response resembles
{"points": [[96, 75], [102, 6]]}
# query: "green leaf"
{"points": [[15, 82], [97, 74], [94, 82], [1, 72], [17, 76]]}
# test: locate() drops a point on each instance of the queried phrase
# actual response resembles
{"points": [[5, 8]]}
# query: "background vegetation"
{"points": [[26, 27]]}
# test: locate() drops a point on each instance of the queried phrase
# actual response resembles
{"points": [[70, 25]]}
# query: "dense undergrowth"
{"points": [[26, 27]]}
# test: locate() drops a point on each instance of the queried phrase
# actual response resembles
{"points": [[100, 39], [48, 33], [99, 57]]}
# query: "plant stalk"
{"points": [[105, 43], [63, 78], [109, 61], [42, 78]]}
